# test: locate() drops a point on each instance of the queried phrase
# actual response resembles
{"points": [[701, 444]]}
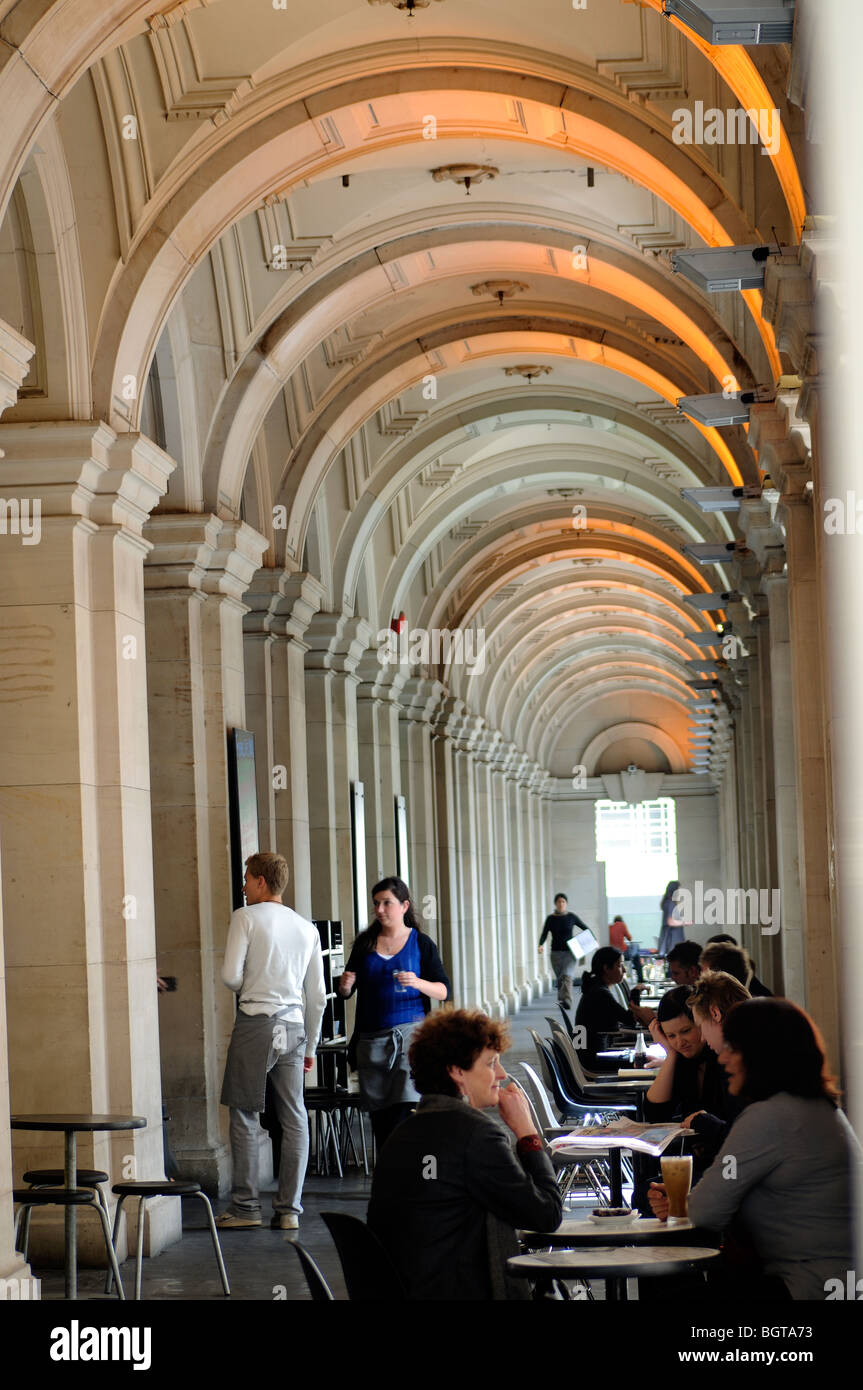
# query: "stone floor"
{"points": [[260, 1265]]}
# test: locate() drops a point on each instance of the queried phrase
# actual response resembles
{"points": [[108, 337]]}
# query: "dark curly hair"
{"points": [[451, 1038]]}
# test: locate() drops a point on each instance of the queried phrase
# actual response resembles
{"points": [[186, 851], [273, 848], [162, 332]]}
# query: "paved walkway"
{"points": [[259, 1262]]}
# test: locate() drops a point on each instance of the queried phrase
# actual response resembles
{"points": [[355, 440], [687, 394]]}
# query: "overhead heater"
{"points": [[747, 22]]}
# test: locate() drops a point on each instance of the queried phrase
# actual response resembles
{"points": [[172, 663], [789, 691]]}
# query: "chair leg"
{"points": [[139, 1251], [362, 1120], [28, 1212], [109, 1277], [333, 1139], [111, 1252], [223, 1274]]}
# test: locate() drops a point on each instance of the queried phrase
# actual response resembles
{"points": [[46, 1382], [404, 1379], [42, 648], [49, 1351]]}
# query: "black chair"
{"points": [[567, 1021], [370, 1275], [30, 1197], [161, 1188], [622, 1101], [567, 1105], [318, 1286]]}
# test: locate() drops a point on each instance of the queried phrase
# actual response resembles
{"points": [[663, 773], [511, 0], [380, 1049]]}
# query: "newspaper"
{"points": [[622, 1134]]}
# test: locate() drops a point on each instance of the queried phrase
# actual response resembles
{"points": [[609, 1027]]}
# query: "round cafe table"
{"points": [[71, 1126], [614, 1264]]}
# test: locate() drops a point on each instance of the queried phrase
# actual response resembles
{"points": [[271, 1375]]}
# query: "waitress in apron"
{"points": [[397, 972]]}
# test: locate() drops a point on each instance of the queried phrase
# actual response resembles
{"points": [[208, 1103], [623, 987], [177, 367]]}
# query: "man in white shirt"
{"points": [[273, 962]]}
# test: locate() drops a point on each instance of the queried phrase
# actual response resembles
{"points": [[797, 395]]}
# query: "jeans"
{"points": [[285, 1070], [564, 968]]}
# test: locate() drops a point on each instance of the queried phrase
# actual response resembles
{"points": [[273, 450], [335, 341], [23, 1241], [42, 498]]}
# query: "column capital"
{"points": [[420, 698], [201, 552], [282, 603], [15, 355], [336, 642], [82, 468]]}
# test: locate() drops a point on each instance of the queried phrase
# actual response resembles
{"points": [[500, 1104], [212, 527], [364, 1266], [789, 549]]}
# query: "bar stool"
{"points": [[56, 1177], [144, 1191], [30, 1197]]}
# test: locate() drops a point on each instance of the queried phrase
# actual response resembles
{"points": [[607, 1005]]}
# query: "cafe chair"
{"points": [[370, 1275], [568, 1024], [161, 1188], [318, 1286], [570, 1107], [30, 1197]]}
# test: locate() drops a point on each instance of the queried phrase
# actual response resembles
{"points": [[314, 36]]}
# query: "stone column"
{"points": [[466, 858], [449, 720], [522, 964], [335, 644], [75, 790], [195, 578], [488, 908], [282, 605], [15, 355], [532, 876], [380, 759], [508, 994], [419, 698]]}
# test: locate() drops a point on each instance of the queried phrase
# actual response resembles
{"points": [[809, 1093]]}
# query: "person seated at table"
{"points": [[620, 936], [690, 1080], [757, 989], [714, 994], [683, 962], [450, 1189], [731, 960], [598, 1011], [781, 1187]]}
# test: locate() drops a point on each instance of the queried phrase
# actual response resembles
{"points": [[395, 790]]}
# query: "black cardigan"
{"points": [[448, 1195], [431, 968]]}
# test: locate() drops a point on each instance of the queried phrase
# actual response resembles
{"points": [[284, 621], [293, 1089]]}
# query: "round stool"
{"points": [[30, 1197], [162, 1188]]}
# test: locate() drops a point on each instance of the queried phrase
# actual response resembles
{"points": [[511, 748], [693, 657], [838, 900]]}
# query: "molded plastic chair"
{"points": [[618, 1099], [370, 1275], [569, 1107], [318, 1286]]}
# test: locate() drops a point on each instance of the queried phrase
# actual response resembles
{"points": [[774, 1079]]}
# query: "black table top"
{"points": [[69, 1124]]}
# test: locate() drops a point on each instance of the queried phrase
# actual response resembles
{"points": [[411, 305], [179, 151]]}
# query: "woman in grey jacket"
{"points": [[449, 1189], [781, 1187]]}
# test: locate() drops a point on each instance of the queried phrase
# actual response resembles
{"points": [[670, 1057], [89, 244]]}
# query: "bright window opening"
{"points": [[638, 845]]}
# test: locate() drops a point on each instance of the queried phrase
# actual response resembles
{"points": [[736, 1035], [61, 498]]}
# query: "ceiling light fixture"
{"points": [[465, 174], [499, 289], [529, 370]]}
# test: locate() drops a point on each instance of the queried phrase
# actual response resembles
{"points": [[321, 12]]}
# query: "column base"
{"points": [[525, 992], [211, 1167], [17, 1284], [510, 1001]]}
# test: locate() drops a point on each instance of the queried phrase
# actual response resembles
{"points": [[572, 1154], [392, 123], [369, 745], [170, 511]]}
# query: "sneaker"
{"points": [[285, 1221], [228, 1221]]}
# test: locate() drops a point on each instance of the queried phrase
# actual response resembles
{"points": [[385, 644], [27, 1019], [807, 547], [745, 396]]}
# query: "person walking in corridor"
{"points": [[273, 961], [560, 925]]}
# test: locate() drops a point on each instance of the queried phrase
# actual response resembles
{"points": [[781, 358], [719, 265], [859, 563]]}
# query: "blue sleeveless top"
{"points": [[385, 1003]]}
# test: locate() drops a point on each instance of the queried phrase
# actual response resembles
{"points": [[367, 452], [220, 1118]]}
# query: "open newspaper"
{"points": [[622, 1134]]}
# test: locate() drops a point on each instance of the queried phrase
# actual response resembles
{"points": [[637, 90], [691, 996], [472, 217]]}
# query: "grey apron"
{"points": [[252, 1050], [382, 1067]]}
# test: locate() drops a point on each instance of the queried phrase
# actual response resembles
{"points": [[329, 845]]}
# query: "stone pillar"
{"points": [[15, 355], [419, 699], [790, 939], [522, 967], [196, 575], [75, 786], [282, 605], [379, 759], [488, 914], [466, 859], [335, 644], [448, 722], [509, 997]]}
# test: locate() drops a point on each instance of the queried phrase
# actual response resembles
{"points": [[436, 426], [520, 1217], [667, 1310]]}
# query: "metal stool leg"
{"points": [[28, 1212], [362, 1120], [109, 1246], [139, 1252], [331, 1131], [109, 1277], [223, 1275]]}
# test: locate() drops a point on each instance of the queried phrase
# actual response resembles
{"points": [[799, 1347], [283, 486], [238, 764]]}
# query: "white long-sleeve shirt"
{"points": [[273, 961]]}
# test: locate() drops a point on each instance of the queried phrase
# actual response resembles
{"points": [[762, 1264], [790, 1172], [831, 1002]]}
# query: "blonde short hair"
{"points": [[272, 868]]}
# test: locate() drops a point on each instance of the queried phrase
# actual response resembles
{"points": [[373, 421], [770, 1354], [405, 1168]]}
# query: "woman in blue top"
{"points": [[398, 971]]}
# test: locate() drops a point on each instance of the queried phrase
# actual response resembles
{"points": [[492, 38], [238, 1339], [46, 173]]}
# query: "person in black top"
{"points": [[734, 960], [690, 1081], [454, 1184], [598, 1011], [560, 925]]}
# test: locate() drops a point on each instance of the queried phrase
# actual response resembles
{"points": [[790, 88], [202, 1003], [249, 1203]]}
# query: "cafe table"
{"points": [[70, 1126], [614, 1264]]}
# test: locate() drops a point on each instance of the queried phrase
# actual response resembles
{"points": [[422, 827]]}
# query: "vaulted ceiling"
{"points": [[234, 226]]}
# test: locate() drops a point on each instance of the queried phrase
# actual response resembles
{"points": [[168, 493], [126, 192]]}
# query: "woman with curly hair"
{"points": [[449, 1189]]}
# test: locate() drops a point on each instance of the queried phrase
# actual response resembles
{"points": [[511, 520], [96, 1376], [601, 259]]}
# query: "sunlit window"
{"points": [[638, 844]]}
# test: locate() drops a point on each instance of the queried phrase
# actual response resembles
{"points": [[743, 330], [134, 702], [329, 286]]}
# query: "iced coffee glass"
{"points": [[677, 1176]]}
